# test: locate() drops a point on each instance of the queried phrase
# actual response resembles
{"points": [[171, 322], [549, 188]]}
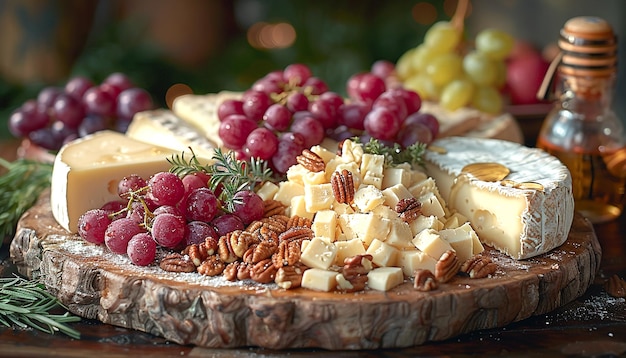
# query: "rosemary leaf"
{"points": [[26, 303], [20, 187]]}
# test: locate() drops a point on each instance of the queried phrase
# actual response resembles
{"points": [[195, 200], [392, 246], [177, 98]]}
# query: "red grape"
{"points": [[201, 204], [130, 183], [296, 74], [141, 249], [68, 110], [77, 86], [168, 230], [315, 85], [261, 143], [234, 130], [382, 123], [165, 188], [255, 103], [426, 119], [227, 223], [353, 114], [383, 68], [228, 107], [93, 224], [98, 101], [297, 101], [277, 117], [119, 232], [248, 206], [414, 133], [133, 100], [197, 232], [309, 127], [119, 81]]}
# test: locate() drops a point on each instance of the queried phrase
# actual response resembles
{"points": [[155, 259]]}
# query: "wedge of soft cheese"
{"points": [[163, 128], [86, 172], [517, 199]]}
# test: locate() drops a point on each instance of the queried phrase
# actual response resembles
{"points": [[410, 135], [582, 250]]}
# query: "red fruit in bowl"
{"points": [[525, 72]]}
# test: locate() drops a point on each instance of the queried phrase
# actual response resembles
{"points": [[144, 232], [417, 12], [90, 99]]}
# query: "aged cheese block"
{"points": [[201, 112], [517, 199], [188, 308], [164, 128], [86, 172]]}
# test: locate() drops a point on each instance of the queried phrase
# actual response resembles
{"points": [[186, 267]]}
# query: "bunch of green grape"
{"points": [[440, 71]]}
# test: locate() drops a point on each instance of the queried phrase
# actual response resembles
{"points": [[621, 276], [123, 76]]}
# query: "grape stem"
{"points": [[458, 19]]}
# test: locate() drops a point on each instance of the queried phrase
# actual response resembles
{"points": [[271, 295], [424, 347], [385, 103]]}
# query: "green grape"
{"points": [[494, 43], [487, 99], [480, 68], [405, 66], [424, 86], [422, 57], [444, 68], [442, 37], [457, 94]]}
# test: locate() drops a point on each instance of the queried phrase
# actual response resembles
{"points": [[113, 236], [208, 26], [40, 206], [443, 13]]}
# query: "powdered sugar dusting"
{"points": [[600, 306], [101, 253]]}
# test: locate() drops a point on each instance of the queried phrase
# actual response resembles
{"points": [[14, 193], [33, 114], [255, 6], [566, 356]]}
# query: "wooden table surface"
{"points": [[592, 325]]}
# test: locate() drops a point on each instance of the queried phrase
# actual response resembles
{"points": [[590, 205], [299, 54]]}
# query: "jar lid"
{"points": [[589, 46]]}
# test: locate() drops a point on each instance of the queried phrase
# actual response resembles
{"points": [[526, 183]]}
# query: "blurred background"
{"points": [[214, 45]]}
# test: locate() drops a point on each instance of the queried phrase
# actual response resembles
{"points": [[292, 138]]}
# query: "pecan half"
{"points": [[261, 251], [615, 286], [290, 276], [212, 266], [276, 223], [297, 233], [311, 161], [273, 207], [288, 253], [478, 266], [176, 262], [343, 186], [236, 270], [263, 271], [409, 209], [424, 280], [447, 266], [233, 245], [298, 221], [353, 275]]}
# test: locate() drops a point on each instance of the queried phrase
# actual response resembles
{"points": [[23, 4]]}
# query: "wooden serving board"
{"points": [[211, 312]]}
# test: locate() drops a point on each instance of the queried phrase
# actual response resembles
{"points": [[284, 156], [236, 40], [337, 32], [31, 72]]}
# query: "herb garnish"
{"points": [[25, 303], [20, 187], [395, 154], [227, 173]]}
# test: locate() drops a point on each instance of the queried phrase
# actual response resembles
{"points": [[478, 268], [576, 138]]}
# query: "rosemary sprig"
{"points": [[20, 187], [26, 303], [227, 173], [394, 155]]}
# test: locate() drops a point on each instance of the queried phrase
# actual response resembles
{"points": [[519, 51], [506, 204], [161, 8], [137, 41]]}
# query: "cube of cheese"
{"points": [[348, 248], [425, 222], [431, 243], [386, 212], [318, 254], [400, 235], [325, 224], [368, 197], [342, 208], [461, 241], [396, 175], [298, 208], [455, 220], [318, 197], [363, 226], [287, 190], [427, 185], [372, 179], [382, 254], [351, 152], [295, 173], [324, 153], [393, 194], [373, 164], [411, 260], [268, 190], [384, 278], [431, 205], [319, 280], [312, 178]]}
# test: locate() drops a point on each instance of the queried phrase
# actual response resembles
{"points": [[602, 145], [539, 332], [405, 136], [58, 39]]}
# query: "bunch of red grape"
{"points": [[81, 107], [165, 211], [289, 110]]}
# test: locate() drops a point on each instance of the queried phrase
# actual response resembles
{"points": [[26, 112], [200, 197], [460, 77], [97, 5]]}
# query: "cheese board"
{"points": [[188, 308]]}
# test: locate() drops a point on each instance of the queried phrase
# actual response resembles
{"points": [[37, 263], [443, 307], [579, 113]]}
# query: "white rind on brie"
{"points": [[522, 220]]}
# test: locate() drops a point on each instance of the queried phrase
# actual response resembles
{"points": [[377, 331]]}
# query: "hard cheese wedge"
{"points": [[86, 172], [517, 199]]}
